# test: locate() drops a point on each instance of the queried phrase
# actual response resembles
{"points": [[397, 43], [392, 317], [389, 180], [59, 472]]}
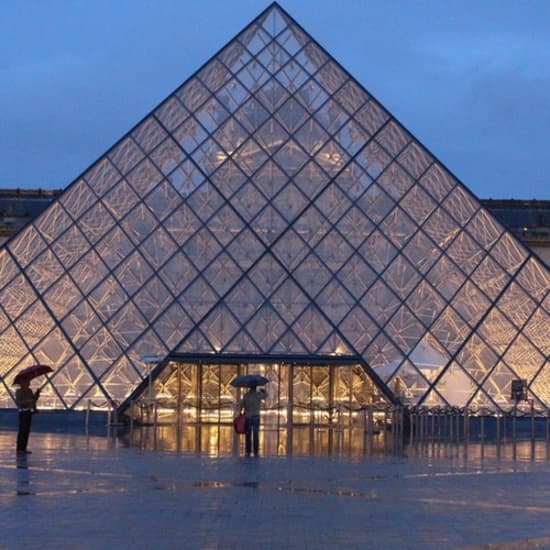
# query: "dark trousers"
{"points": [[25, 421], [252, 434]]}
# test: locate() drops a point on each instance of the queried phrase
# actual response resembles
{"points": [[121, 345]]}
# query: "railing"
{"points": [[376, 427]]}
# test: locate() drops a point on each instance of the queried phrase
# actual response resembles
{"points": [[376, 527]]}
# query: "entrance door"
{"points": [[310, 409]]}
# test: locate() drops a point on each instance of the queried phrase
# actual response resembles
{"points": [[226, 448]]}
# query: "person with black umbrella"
{"points": [[251, 404], [25, 400]]}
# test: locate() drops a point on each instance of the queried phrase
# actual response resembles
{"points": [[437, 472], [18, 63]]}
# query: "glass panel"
{"points": [[267, 274], [34, 323], [89, 272], [76, 200], [380, 302], [446, 277], [516, 305], [44, 271], [401, 277], [509, 253], [415, 159], [290, 202], [290, 249], [333, 251], [201, 249], [404, 329], [484, 229], [244, 300], [62, 297], [490, 277], [148, 134], [27, 244], [17, 297], [383, 357], [102, 176], [497, 331], [523, 358], [437, 181], [359, 329], [450, 330], [371, 116], [312, 275], [461, 205], [222, 273], [125, 155], [456, 387], [477, 358], [266, 327], [245, 248], [96, 222], [398, 227], [429, 357], [114, 247], [534, 278], [471, 303], [171, 113], [422, 252], [289, 301], [214, 75], [152, 299], [312, 328], [158, 247], [335, 301], [144, 177], [426, 303], [351, 96], [465, 252], [219, 327], [537, 330], [172, 325], [356, 276], [120, 200]]}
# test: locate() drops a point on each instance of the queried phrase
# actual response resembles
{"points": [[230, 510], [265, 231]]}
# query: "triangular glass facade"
{"points": [[272, 206]]}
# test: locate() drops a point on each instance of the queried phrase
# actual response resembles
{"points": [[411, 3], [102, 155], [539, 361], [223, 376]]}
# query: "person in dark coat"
{"points": [[25, 400], [251, 404]]}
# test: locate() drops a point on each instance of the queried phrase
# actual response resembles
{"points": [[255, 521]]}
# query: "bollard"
{"points": [[87, 416], [497, 422], [340, 425], [131, 421], [514, 420], [533, 429], [370, 416], [412, 420]]}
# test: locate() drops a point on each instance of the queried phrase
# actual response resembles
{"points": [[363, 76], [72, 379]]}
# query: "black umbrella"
{"points": [[249, 380]]}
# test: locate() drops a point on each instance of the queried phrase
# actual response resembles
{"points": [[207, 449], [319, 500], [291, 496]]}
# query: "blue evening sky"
{"points": [[469, 78]]}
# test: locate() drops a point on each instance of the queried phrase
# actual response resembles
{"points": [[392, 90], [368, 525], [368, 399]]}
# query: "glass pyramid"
{"points": [[271, 205]]}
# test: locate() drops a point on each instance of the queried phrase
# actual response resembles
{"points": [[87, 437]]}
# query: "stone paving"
{"points": [[92, 492]]}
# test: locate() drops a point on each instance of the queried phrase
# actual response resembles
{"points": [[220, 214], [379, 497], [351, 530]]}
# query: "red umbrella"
{"points": [[31, 372]]}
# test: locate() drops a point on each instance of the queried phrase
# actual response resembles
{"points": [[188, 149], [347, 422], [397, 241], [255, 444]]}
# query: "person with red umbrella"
{"points": [[26, 399]]}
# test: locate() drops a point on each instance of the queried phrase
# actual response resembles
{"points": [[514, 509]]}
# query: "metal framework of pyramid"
{"points": [[271, 205]]}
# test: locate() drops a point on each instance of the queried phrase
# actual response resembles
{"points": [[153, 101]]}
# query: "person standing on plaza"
{"points": [[25, 400], [251, 404]]}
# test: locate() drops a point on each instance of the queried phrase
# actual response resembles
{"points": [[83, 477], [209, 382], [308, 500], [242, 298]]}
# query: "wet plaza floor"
{"points": [[95, 492]]}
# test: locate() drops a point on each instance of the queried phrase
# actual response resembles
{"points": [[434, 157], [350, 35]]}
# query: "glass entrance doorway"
{"points": [[310, 408]]}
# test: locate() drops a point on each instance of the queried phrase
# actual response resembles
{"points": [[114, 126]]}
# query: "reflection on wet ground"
{"points": [[101, 491], [216, 440]]}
